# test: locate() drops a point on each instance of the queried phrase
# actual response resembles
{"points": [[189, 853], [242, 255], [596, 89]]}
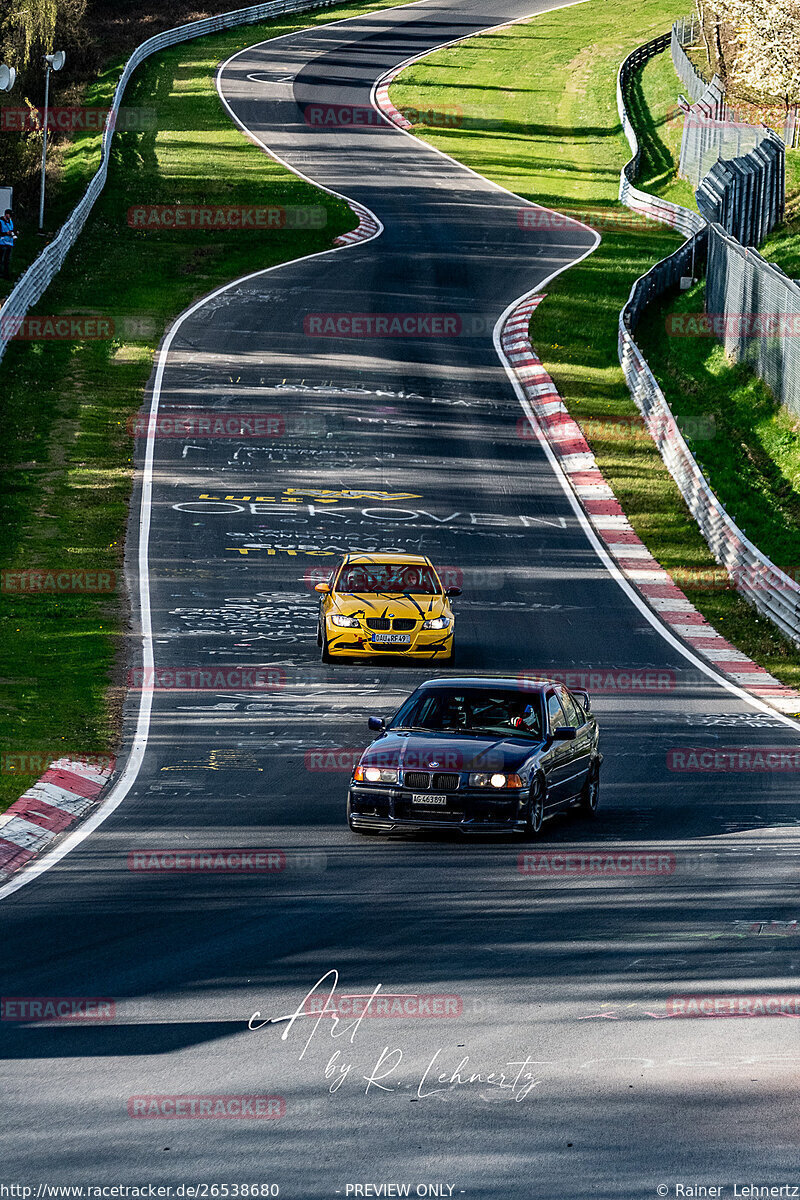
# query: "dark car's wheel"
{"points": [[533, 826], [590, 796]]}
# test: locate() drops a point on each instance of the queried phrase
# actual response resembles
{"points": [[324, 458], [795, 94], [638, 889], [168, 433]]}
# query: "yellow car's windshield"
{"points": [[416, 579]]}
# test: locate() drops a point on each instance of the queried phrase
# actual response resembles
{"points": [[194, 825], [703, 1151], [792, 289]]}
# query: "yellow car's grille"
{"points": [[400, 624]]}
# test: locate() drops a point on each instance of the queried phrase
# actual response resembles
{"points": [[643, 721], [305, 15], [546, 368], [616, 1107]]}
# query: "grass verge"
{"points": [[560, 143], [66, 450]]}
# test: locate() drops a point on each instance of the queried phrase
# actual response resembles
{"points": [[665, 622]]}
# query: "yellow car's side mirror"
{"points": [[325, 588]]}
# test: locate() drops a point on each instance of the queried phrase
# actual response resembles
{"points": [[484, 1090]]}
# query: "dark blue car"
{"points": [[479, 755]]}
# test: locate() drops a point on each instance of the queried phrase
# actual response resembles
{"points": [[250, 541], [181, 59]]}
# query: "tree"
{"points": [[764, 36], [28, 29]]}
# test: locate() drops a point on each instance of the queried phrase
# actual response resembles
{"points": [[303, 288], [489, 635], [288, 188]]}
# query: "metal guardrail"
{"points": [[33, 284], [652, 206], [770, 590]]}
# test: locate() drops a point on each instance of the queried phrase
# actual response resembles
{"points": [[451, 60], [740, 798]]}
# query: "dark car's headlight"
{"points": [[344, 622], [494, 780], [374, 775]]}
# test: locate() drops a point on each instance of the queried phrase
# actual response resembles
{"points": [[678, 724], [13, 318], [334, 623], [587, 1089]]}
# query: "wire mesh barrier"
{"points": [[685, 33], [711, 131], [747, 195], [774, 593], [791, 128], [755, 309], [32, 285], [738, 169]]}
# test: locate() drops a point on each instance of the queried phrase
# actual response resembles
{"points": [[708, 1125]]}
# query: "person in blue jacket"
{"points": [[7, 236]]}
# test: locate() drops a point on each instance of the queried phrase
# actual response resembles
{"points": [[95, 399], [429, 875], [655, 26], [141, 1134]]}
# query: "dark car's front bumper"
{"points": [[471, 810]]}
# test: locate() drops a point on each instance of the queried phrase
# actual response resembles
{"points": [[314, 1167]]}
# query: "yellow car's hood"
{"points": [[384, 604]]}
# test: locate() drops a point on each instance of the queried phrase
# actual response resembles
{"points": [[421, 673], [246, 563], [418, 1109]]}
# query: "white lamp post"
{"points": [[53, 62]]}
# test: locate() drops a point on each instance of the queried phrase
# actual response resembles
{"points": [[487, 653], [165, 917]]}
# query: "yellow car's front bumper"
{"points": [[424, 643]]}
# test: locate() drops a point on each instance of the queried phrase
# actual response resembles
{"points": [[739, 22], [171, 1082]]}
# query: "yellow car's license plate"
{"points": [[392, 639]]}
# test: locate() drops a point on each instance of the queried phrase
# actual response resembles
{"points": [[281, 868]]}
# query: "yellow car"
{"points": [[385, 603]]}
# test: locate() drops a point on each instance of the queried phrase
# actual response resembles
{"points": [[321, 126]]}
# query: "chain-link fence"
{"points": [[755, 311], [713, 132], [791, 128], [685, 32], [33, 284]]}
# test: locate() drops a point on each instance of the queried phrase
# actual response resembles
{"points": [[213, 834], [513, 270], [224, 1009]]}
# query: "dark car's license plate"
{"points": [[428, 798]]}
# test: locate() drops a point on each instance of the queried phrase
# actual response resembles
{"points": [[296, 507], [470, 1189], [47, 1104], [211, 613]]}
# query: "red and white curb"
{"points": [[366, 229], [65, 794], [385, 104], [611, 525]]}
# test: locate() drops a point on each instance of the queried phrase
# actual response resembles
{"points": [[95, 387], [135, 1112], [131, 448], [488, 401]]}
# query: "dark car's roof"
{"points": [[490, 681]]}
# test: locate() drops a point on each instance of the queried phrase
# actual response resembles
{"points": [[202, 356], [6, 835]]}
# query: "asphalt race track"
{"points": [[569, 978]]}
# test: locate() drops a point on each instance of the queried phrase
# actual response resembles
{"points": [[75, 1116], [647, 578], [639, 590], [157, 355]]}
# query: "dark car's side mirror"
{"points": [[565, 733], [376, 723], [452, 591]]}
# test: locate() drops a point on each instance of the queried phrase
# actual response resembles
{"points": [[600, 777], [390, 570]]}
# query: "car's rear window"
{"points": [[416, 578], [497, 712]]}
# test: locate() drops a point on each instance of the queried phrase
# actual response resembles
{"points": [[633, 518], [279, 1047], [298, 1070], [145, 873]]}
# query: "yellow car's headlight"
{"points": [[436, 623], [344, 622]]}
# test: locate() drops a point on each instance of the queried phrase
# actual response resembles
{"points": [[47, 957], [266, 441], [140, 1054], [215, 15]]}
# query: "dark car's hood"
{"points": [[448, 752]]}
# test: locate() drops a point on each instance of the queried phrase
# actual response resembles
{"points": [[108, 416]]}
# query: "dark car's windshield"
{"points": [[472, 710], [416, 578]]}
